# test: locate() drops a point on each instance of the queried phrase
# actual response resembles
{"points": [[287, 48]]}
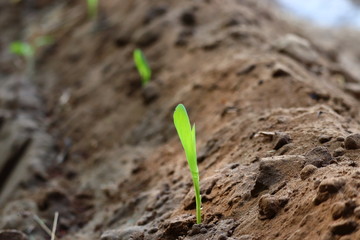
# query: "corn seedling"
{"points": [[142, 66], [187, 137], [29, 50], [92, 7]]}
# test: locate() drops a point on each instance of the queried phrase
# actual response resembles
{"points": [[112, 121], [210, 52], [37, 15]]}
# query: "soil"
{"points": [[276, 107]]}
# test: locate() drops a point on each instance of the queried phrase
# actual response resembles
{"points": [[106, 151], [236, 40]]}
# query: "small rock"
{"points": [[324, 138], [12, 235], [307, 171], [343, 209], [177, 226], [150, 92], [343, 228], [352, 141], [270, 205], [274, 170], [222, 237], [319, 157], [340, 139], [281, 139], [328, 187], [153, 230], [337, 210], [339, 152], [188, 18], [331, 185], [195, 229]]}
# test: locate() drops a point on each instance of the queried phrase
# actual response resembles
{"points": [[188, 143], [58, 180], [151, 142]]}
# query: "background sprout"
{"points": [[22, 49], [29, 51], [43, 41], [188, 140], [142, 66], [92, 8]]}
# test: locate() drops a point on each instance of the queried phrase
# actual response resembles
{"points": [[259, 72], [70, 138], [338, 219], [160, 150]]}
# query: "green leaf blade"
{"points": [[22, 49], [187, 137], [142, 66], [92, 8]]}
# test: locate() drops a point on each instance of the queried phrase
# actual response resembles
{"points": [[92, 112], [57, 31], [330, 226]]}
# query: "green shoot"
{"points": [[43, 41], [142, 66], [188, 141], [22, 49], [29, 51], [92, 8]]}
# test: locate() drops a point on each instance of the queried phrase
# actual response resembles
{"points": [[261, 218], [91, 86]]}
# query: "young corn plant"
{"points": [[26, 51], [92, 8], [29, 50], [188, 140], [142, 66]]}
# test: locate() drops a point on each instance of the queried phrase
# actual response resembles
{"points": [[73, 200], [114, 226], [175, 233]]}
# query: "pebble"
{"points": [[195, 229], [324, 138], [307, 171], [318, 156], [328, 187], [270, 205], [331, 185], [352, 141], [281, 139], [343, 209], [222, 237], [153, 230], [339, 152], [343, 228]]}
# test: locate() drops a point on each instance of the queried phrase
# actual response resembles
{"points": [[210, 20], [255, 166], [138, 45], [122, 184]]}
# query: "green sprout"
{"points": [[29, 50], [22, 49], [188, 141], [92, 8], [142, 66]]}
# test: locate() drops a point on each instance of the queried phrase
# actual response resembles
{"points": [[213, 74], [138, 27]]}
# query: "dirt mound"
{"points": [[276, 112]]}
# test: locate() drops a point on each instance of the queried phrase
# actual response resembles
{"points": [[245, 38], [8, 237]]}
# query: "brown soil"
{"points": [[275, 105]]}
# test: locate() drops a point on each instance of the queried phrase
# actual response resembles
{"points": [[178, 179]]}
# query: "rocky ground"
{"points": [[276, 107]]}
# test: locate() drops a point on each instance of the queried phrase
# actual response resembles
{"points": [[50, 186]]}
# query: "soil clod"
{"points": [[352, 141]]}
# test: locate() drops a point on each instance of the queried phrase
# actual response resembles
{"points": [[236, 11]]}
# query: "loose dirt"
{"points": [[276, 107]]}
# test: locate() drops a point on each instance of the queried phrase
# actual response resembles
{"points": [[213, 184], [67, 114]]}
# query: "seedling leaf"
{"points": [[43, 41], [187, 137], [22, 49], [92, 8], [142, 66]]}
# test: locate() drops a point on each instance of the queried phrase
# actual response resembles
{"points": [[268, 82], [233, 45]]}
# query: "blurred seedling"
{"points": [[142, 66], [187, 137], [92, 8], [29, 51]]}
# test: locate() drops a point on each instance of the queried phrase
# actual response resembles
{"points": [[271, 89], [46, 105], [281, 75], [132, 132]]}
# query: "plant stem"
{"points": [[197, 199]]}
